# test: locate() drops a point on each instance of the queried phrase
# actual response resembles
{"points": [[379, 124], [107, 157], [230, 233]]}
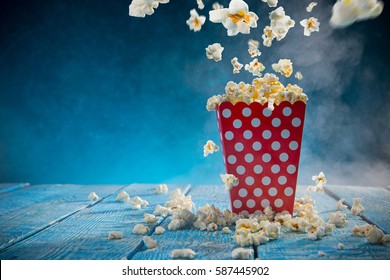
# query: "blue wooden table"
{"points": [[58, 222]]}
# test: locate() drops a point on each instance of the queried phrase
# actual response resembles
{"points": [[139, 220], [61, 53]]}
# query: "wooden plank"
{"points": [[6, 188], [23, 213], [84, 234], [375, 200], [206, 245], [296, 246]]}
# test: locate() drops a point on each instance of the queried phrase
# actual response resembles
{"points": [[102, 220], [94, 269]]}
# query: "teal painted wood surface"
{"points": [[27, 211], [6, 188], [84, 234]]}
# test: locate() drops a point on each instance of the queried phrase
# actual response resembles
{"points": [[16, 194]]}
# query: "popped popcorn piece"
{"points": [[140, 229], [195, 21], [320, 181], [280, 23], [253, 48], [214, 101], [150, 219], [226, 230], [271, 3], [374, 235], [236, 65], [217, 6], [346, 12], [122, 196], [236, 19], [310, 7], [229, 180], [386, 239], [255, 67], [298, 75], [310, 25], [339, 219], [162, 211], [140, 8], [179, 201], [181, 219], [357, 209], [321, 253], [182, 254], [283, 219], [212, 227], [272, 231], [93, 196], [138, 203], [149, 242], [115, 235], [200, 4], [159, 230], [162, 188], [214, 52], [360, 230], [242, 254], [340, 246], [209, 148], [340, 206], [315, 232], [298, 224], [268, 36], [284, 67]]}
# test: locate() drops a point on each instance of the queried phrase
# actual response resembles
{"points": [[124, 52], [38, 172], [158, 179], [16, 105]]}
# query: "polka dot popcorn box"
{"points": [[262, 149]]}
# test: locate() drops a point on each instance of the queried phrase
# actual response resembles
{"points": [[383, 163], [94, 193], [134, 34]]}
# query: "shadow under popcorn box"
{"points": [[262, 149]]}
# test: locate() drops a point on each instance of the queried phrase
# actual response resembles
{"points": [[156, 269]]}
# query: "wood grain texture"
{"points": [[206, 245], [26, 211], [84, 234], [295, 246], [6, 188]]}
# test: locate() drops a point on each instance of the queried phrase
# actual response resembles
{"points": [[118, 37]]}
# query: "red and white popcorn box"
{"points": [[262, 149]]}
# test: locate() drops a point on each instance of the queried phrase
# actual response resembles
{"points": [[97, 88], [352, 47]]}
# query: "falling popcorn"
{"points": [[271, 3], [140, 8], [217, 6], [230, 181], [214, 51], [346, 12], [310, 25], [320, 181], [255, 67], [268, 36], [236, 65], [195, 21], [200, 4], [209, 148], [236, 19], [298, 75], [284, 67], [253, 48], [280, 23], [310, 7], [357, 209]]}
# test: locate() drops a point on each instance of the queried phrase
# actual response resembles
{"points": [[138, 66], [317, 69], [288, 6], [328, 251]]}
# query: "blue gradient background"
{"points": [[91, 95]]}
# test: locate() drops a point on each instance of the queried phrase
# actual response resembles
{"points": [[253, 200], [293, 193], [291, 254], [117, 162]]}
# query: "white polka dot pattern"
{"points": [[262, 148]]}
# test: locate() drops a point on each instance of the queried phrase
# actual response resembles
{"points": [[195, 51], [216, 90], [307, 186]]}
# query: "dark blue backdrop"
{"points": [[91, 95]]}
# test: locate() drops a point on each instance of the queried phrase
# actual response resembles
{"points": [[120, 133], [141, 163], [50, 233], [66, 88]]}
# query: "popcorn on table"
{"points": [[268, 36], [271, 3], [123, 196], [255, 67], [310, 25], [195, 21], [150, 219], [229, 180], [140, 8], [140, 229], [284, 67], [346, 12], [162, 211], [339, 219], [340, 206], [181, 219], [138, 203], [321, 253], [253, 48], [242, 254], [236, 19], [93, 196], [280, 23], [214, 52], [209, 148], [182, 254], [200, 4], [179, 201], [150, 243], [162, 188], [360, 230], [299, 75], [236, 65], [226, 230], [340, 246], [310, 7], [357, 209], [159, 230], [115, 235]]}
